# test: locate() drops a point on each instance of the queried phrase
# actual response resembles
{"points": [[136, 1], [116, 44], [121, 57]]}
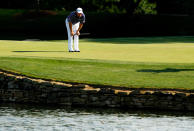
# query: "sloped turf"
{"points": [[153, 62]]}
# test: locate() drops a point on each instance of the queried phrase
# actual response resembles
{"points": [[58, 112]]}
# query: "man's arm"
{"points": [[70, 27], [80, 27]]}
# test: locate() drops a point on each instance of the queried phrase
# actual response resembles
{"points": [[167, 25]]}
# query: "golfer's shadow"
{"points": [[36, 51], [164, 70]]}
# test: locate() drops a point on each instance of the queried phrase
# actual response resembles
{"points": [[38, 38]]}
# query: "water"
{"points": [[41, 118]]}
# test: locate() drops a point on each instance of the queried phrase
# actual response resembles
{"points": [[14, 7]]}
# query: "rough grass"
{"points": [[157, 62]]}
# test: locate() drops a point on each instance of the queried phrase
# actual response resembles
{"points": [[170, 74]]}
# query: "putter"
{"points": [[82, 34]]}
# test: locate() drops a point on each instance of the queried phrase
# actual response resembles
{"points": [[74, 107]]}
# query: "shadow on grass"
{"points": [[164, 70], [115, 40], [23, 37], [37, 51], [145, 40]]}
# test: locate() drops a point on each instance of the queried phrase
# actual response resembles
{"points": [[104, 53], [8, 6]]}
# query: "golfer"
{"points": [[74, 23]]}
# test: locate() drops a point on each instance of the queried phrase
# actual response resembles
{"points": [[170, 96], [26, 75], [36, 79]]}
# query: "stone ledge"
{"points": [[23, 89]]}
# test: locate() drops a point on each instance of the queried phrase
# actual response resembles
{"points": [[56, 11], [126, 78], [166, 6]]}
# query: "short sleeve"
{"points": [[83, 20]]}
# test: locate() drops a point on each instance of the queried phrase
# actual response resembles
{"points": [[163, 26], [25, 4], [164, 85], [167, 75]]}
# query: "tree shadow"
{"points": [[36, 51], [145, 40], [106, 40], [164, 70]]}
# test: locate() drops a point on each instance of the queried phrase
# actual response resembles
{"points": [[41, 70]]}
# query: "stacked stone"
{"points": [[22, 89]]}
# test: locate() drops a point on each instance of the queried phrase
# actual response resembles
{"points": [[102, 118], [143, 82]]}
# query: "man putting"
{"points": [[74, 23]]}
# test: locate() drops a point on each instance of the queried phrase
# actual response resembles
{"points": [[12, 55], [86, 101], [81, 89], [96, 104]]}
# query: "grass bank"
{"points": [[154, 62]]}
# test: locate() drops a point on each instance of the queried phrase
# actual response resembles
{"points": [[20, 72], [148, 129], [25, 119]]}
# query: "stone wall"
{"points": [[22, 89]]}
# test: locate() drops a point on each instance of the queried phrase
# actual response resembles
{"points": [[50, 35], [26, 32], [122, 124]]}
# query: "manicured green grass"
{"points": [[154, 62]]}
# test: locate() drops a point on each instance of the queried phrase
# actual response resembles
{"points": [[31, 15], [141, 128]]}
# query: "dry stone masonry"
{"points": [[21, 89]]}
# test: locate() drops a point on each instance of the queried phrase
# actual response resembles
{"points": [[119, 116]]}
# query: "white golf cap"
{"points": [[79, 10]]}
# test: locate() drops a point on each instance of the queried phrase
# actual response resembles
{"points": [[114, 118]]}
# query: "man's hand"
{"points": [[77, 32], [72, 33]]}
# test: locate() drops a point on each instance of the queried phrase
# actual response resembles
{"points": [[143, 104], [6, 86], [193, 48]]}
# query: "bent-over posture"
{"points": [[74, 23]]}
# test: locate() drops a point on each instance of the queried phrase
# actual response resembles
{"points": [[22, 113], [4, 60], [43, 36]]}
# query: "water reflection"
{"points": [[28, 117]]}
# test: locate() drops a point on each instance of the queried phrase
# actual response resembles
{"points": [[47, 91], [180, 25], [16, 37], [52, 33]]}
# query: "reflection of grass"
{"points": [[154, 65]]}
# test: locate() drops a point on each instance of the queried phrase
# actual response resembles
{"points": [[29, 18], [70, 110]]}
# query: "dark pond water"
{"points": [[41, 118]]}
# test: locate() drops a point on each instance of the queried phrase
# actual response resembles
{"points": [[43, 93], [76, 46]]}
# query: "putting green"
{"points": [[153, 62], [156, 49]]}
